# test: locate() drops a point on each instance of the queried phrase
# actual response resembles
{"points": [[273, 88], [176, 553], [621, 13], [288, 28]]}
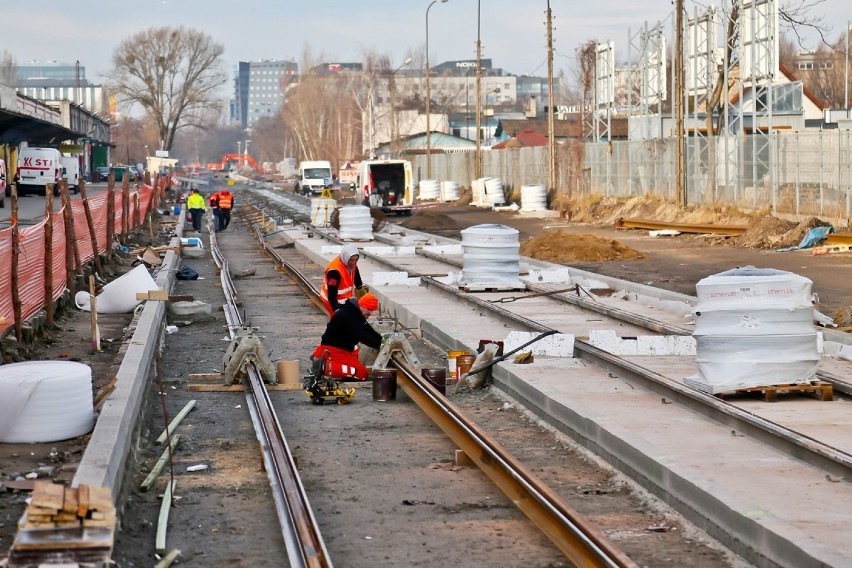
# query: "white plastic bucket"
{"points": [[119, 296], [45, 401]]}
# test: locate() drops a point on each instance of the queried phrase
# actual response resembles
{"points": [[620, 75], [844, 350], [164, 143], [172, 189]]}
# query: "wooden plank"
{"points": [[176, 421], [100, 499], [160, 465], [207, 376], [20, 485], [48, 495], [155, 295], [163, 519], [83, 501], [203, 387], [64, 539], [71, 500]]}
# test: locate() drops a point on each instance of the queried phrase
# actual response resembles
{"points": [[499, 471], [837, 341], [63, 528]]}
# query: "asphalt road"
{"points": [[31, 207]]}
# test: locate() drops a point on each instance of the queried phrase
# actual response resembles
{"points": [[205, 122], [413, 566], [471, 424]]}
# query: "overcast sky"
{"points": [[513, 32]]}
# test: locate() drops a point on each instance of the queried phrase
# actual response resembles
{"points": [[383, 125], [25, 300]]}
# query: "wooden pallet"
{"points": [[819, 389]]}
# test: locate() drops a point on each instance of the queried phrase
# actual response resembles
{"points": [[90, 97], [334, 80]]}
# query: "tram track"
{"points": [[743, 422]]}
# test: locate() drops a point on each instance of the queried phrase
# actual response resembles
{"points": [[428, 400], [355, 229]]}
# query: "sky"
{"points": [[512, 32]]}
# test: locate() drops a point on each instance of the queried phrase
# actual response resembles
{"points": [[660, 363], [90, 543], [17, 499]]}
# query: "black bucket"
{"points": [[437, 377], [384, 384]]}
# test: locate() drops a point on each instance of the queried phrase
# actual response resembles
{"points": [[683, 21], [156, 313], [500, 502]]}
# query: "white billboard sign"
{"points": [[758, 40], [605, 74]]}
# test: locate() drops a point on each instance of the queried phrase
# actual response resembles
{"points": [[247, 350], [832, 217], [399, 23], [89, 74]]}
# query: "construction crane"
{"points": [[227, 161]]}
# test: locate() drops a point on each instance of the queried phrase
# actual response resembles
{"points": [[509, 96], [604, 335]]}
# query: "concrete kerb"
{"points": [[104, 461]]}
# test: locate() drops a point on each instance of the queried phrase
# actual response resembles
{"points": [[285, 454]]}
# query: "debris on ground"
{"points": [[560, 246]]}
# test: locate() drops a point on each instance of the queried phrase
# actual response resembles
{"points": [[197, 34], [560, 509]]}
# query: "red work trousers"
{"points": [[343, 364]]}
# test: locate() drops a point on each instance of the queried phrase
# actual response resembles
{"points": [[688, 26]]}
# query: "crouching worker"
{"points": [[348, 327]]}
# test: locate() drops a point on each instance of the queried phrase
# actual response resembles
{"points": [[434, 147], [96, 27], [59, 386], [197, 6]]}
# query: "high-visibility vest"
{"points": [[345, 289], [226, 200], [195, 201], [213, 200]]}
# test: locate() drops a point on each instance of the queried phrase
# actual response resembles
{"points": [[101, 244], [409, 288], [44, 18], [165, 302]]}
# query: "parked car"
{"points": [[102, 173], [4, 186]]}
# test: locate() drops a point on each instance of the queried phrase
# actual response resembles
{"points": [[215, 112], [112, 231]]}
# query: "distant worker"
{"points": [[341, 278], [347, 328], [213, 202], [226, 203], [195, 205]]}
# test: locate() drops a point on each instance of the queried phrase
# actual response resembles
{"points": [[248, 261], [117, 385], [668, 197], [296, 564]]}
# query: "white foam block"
{"points": [[393, 279], [553, 274], [556, 345], [390, 251], [443, 249]]}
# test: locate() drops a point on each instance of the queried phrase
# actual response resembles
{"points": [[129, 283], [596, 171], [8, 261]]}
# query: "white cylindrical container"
{"points": [[429, 189], [449, 191], [477, 188], [321, 210], [494, 192], [45, 401], [533, 198], [491, 256], [356, 224]]}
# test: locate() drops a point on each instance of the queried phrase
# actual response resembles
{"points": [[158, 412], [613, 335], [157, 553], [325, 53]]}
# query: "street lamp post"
{"points": [[245, 153], [394, 118], [429, 98], [478, 157]]}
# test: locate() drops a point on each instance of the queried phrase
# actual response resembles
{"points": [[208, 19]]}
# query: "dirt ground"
{"points": [[380, 472]]}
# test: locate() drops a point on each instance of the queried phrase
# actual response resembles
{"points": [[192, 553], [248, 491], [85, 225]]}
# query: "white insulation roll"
{"points": [[356, 223], [45, 401], [494, 192]]}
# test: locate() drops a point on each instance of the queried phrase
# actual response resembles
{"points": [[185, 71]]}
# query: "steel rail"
{"points": [[302, 538], [581, 542], [698, 228]]}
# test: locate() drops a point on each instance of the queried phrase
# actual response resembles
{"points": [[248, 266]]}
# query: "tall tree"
{"points": [[173, 73]]}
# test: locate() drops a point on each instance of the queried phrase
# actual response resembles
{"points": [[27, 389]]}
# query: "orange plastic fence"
{"points": [[31, 261]]}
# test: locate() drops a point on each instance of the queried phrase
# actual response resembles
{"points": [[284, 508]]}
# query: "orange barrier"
{"points": [[31, 262]]}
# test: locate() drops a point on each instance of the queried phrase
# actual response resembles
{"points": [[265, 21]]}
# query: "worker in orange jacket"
{"points": [[342, 279], [213, 201], [226, 203]]}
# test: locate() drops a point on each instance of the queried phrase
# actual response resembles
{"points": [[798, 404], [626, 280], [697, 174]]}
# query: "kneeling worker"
{"points": [[348, 327]]}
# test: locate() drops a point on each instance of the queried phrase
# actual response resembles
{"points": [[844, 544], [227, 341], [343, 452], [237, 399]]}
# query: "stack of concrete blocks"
{"points": [[754, 328]]}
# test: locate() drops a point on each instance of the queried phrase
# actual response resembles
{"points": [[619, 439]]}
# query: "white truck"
{"points": [[386, 184], [314, 176], [71, 172], [38, 167]]}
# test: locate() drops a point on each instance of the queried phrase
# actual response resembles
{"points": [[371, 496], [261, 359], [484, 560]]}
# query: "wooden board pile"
{"points": [[65, 525], [57, 506]]}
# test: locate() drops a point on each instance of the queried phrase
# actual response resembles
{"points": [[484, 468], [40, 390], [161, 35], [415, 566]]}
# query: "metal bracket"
{"points": [[245, 348], [396, 342]]}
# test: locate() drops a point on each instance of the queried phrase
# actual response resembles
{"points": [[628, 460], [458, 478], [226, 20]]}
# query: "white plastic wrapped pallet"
{"points": [[754, 328], [491, 256], [356, 223]]}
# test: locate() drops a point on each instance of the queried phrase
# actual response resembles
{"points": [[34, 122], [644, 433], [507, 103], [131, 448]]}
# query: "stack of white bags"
{"points": [[754, 328]]}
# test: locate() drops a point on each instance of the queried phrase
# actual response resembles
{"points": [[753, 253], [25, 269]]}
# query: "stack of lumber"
{"points": [[55, 506], [65, 526]]}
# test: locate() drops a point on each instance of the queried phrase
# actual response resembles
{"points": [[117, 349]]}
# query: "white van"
{"points": [[314, 176], [386, 184], [38, 167], [71, 172]]}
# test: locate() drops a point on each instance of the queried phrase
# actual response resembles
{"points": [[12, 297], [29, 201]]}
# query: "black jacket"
{"points": [[348, 327]]}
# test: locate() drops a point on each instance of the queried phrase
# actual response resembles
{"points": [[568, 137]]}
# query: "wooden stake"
{"points": [[93, 304], [92, 234], [16, 253], [48, 255], [110, 215], [159, 466]]}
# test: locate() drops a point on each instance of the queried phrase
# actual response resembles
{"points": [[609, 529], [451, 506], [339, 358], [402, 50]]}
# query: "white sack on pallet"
{"points": [[752, 288], [754, 328], [730, 363]]}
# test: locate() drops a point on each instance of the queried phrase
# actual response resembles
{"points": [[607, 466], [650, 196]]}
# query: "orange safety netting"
{"points": [[31, 260]]}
